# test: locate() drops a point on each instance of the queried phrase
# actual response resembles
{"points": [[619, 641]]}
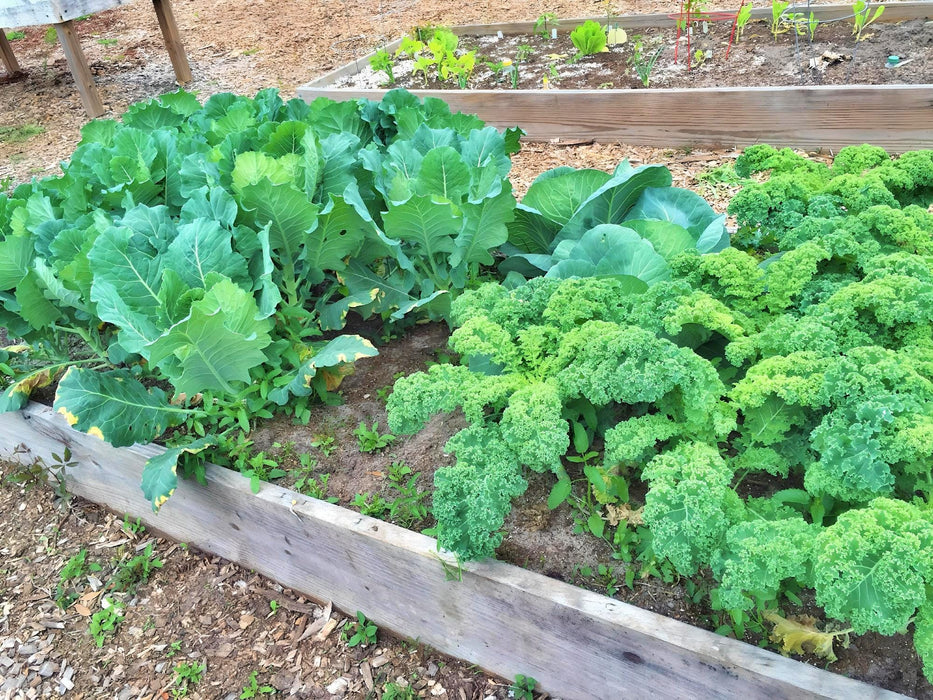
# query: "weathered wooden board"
{"points": [[80, 69], [893, 12], [895, 117], [6, 55], [26, 13], [507, 620]]}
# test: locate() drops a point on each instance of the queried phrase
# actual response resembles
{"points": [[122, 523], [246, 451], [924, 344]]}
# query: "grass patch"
{"points": [[15, 35], [20, 132]]}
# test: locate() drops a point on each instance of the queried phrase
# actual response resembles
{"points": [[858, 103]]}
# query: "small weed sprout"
{"points": [[104, 622], [252, 688], [129, 575], [361, 631], [370, 439], [523, 687], [186, 674]]}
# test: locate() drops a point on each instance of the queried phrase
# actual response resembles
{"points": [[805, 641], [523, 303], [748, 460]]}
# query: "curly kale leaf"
{"points": [[758, 556], [635, 440], [857, 159], [923, 635], [689, 505], [473, 497], [871, 566], [533, 428]]}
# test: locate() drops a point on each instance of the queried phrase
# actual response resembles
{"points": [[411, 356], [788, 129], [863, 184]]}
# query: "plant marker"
{"points": [[545, 83], [553, 33], [499, 34], [893, 61]]}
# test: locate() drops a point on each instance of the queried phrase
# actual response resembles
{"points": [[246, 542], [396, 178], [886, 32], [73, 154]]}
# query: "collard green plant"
{"points": [[186, 264]]}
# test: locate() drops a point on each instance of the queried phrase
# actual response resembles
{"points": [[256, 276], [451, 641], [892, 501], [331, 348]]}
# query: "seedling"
{"points": [[75, 568], [129, 575], [132, 528], [104, 622], [382, 61], [15, 35], [370, 439], [523, 688], [325, 443], [641, 61], [741, 19], [523, 52], [371, 504], [187, 674], [108, 42], [362, 631], [252, 688], [812, 24], [274, 607], [544, 24], [409, 48], [172, 649], [393, 691], [51, 36], [863, 17], [778, 23]]}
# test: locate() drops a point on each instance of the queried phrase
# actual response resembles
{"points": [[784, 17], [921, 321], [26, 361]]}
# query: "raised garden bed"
{"points": [[824, 116], [502, 618]]}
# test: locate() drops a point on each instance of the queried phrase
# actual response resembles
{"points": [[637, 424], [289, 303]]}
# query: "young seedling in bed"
{"points": [[252, 688], [778, 26], [370, 440], [642, 61], [409, 48], [104, 622], [812, 24], [741, 20], [382, 61], [863, 17], [544, 24], [187, 674], [524, 52]]}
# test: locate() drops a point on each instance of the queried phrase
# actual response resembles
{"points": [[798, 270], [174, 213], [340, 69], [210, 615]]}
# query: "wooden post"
{"points": [[176, 50], [6, 52], [79, 69]]}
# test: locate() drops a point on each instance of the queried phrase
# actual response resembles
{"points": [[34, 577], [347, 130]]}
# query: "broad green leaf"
{"points": [[334, 316], [484, 228], [678, 206], [128, 265], [338, 234], [54, 289], [769, 423], [261, 268], [217, 344], [17, 394], [202, 247], [443, 174], [286, 138], [430, 227], [611, 250], [668, 239], [214, 203], [559, 196], [532, 232], [714, 237], [160, 475], [612, 202], [392, 290], [15, 255], [559, 493], [114, 406], [35, 309], [436, 305], [185, 103], [150, 116], [287, 211], [254, 167]]}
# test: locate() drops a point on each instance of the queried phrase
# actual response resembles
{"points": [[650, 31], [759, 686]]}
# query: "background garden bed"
{"points": [[823, 116]]}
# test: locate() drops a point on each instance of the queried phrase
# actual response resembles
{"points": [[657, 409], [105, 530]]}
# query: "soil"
{"points": [[759, 59], [216, 612]]}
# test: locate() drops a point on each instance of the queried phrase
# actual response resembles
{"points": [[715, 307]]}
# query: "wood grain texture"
{"points": [[6, 54], [895, 117], [893, 12], [507, 620], [173, 42], [27, 13], [77, 62]]}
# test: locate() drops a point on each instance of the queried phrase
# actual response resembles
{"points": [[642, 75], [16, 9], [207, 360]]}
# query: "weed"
{"points": [[371, 504], [130, 574], [172, 649], [315, 487], [15, 35], [108, 42], [274, 607], [409, 507], [51, 36], [20, 133], [252, 688], [370, 440], [393, 691], [523, 687], [325, 443], [104, 622], [75, 568], [361, 631], [187, 674], [132, 528]]}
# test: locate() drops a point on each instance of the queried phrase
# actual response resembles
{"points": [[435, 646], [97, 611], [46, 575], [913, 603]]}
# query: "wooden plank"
{"points": [[173, 43], [507, 620], [27, 13], [6, 53], [79, 69], [893, 12], [823, 117]]}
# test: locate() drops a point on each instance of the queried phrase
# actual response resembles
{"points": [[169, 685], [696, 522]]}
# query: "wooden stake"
{"points": [[79, 69], [6, 52], [173, 43]]}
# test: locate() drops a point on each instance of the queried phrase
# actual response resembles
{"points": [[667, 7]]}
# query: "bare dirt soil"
{"points": [[832, 57], [197, 609]]}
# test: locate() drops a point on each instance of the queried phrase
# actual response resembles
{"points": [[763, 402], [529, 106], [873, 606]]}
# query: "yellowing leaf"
{"points": [[803, 637], [616, 35]]}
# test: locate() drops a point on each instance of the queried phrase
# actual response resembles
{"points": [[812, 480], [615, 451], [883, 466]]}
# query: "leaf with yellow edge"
{"points": [[160, 477], [15, 396], [341, 350], [803, 637]]}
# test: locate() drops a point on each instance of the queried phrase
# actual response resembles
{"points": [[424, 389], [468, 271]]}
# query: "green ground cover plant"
{"points": [[802, 351], [182, 270]]}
